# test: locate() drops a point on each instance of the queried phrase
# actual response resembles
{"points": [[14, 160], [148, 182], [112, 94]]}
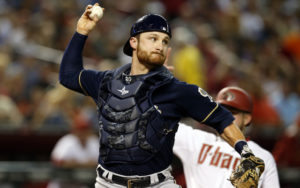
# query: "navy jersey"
{"points": [[174, 100]]}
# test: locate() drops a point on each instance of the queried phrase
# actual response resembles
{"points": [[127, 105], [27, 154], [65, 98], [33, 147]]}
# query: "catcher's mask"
{"points": [[236, 98], [149, 22]]}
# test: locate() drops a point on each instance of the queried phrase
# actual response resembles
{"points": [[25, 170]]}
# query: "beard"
{"points": [[150, 58]]}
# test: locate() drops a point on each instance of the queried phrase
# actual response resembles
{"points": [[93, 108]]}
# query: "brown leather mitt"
{"points": [[248, 172]]}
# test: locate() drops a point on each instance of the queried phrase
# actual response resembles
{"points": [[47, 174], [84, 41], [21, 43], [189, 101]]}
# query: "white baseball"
{"points": [[96, 11]]}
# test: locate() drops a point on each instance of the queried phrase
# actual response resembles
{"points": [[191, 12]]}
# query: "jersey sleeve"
{"points": [[72, 63], [89, 82], [198, 104], [72, 74]]}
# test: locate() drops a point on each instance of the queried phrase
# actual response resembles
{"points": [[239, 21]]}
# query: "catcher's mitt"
{"points": [[247, 173]]}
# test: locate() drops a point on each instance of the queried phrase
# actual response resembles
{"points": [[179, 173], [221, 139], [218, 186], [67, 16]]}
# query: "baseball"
{"points": [[96, 11]]}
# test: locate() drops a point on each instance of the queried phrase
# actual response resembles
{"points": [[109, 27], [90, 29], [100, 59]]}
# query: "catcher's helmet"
{"points": [[149, 22], [235, 97]]}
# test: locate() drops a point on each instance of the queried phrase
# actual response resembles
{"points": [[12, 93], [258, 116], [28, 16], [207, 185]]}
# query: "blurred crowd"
{"points": [[254, 44]]}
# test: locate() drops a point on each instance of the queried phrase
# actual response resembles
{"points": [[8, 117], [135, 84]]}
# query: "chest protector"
{"points": [[131, 128]]}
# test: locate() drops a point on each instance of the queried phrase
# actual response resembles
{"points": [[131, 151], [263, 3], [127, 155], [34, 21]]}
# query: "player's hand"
{"points": [[85, 24], [169, 67]]}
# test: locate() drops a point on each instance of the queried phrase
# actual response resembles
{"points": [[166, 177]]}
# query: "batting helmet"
{"points": [[235, 97], [149, 22]]}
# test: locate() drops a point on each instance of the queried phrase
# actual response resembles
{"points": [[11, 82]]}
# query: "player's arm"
{"points": [[71, 71], [198, 104], [232, 134]]}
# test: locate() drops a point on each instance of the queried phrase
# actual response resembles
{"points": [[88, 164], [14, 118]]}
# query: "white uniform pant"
{"points": [[169, 181]]}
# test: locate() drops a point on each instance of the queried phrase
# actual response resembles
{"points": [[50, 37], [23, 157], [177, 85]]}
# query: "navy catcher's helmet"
{"points": [[149, 22], [235, 97]]}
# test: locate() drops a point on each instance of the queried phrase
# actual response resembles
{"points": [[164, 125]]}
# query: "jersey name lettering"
{"points": [[217, 158], [203, 153]]}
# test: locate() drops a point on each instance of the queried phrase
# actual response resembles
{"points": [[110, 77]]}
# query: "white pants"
{"points": [[169, 182]]}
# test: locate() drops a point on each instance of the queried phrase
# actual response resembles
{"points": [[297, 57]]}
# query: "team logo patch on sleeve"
{"points": [[204, 93]]}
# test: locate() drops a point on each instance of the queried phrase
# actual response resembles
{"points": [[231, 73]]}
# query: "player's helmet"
{"points": [[235, 97], [149, 22]]}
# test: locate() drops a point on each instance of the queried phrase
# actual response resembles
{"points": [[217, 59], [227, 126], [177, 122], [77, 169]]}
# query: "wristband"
{"points": [[242, 148]]}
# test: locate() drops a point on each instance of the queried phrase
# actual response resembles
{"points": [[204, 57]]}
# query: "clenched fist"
{"points": [[85, 24]]}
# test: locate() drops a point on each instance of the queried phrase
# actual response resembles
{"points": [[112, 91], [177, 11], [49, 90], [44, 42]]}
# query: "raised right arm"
{"points": [[71, 68]]}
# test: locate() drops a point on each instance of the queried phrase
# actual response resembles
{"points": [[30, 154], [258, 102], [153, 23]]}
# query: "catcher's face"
{"points": [[152, 47]]}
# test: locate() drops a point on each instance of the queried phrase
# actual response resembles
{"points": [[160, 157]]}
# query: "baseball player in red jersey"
{"points": [[208, 160]]}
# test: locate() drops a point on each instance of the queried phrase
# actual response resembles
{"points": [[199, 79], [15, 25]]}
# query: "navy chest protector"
{"points": [[131, 128]]}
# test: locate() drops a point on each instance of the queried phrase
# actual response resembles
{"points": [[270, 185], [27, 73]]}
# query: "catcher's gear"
{"points": [[248, 172]]}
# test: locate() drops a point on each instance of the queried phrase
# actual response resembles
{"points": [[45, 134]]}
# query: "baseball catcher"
{"points": [[140, 104]]}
